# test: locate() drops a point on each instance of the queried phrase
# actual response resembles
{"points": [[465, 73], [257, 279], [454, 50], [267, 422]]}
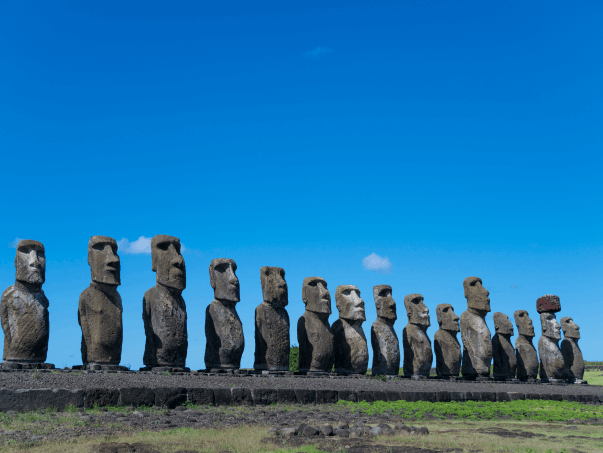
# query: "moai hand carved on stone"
{"points": [[446, 344], [223, 327], [525, 352], [552, 363], [163, 308], [349, 343], [386, 348], [272, 322], [24, 310], [100, 308], [477, 345], [314, 334], [418, 355], [571, 351], [505, 362]]}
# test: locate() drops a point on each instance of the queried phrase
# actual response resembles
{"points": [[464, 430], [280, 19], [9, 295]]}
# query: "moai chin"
{"points": [[505, 362], [223, 328], [272, 322], [163, 308], [386, 347], [525, 352], [100, 308], [24, 311], [314, 334], [552, 363], [477, 345], [571, 351], [445, 342], [349, 343], [418, 356]]}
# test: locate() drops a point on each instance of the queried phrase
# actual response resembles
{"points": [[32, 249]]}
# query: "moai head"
{"points": [[502, 325], [447, 318], [168, 262], [274, 286], [30, 262], [223, 279], [550, 326], [416, 310], [104, 260], [349, 303], [524, 323], [316, 295], [570, 329], [476, 294], [386, 306]]}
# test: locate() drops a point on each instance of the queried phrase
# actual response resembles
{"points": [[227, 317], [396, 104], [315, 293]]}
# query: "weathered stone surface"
{"points": [[349, 343], [100, 308], [163, 308], [418, 356], [386, 347], [445, 343], [525, 352], [570, 349], [272, 340], [549, 303], [223, 327], [24, 308], [314, 334], [552, 364], [477, 345], [505, 362]]}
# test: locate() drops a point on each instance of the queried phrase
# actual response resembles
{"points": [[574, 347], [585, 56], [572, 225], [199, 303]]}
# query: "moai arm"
{"points": [[148, 329], [82, 321], [4, 316]]}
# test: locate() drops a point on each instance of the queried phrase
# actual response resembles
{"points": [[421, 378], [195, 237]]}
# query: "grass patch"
{"points": [[594, 377]]}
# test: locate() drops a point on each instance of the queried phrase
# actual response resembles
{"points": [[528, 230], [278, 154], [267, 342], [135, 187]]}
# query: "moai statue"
{"points": [[418, 356], [525, 352], [349, 343], [100, 311], [571, 351], [24, 311], [272, 322], [446, 344], [477, 345], [386, 348], [552, 364], [223, 328], [164, 310], [505, 363], [314, 334]]}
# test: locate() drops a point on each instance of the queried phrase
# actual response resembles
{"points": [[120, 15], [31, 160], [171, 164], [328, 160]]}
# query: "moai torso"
{"points": [[350, 349], [552, 364], [448, 353], [477, 345], [418, 356], [224, 336], [527, 358], [386, 348], [315, 340], [503, 353], [573, 357]]}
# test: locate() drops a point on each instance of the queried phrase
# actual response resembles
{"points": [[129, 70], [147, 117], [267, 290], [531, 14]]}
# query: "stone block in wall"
{"points": [[379, 395], [532, 396], [286, 396], [365, 395], [7, 400], [305, 396], [502, 396], [33, 399], [263, 397], [63, 398], [326, 396], [392, 395], [222, 397], [170, 397], [101, 397], [514, 396], [241, 396], [136, 396], [443, 396], [489, 396], [458, 396], [203, 397], [347, 395]]}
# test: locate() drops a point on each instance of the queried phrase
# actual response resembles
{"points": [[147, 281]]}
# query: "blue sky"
{"points": [[455, 139]]}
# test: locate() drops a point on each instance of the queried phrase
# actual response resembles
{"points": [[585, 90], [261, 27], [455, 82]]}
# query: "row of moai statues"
{"points": [[342, 345]]}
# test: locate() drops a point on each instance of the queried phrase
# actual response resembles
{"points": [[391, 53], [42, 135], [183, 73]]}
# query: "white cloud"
{"points": [[513, 287], [140, 246], [376, 263], [318, 52], [13, 244]]}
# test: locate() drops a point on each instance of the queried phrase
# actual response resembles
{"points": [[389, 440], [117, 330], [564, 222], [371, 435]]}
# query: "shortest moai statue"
{"points": [[314, 334], [477, 344], [386, 347], [272, 322], [503, 353], [571, 351], [418, 356], [164, 310], [223, 328], [349, 343], [525, 352], [446, 344], [552, 364], [24, 311]]}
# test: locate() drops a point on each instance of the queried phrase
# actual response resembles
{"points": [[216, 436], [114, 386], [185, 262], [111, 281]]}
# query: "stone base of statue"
{"points": [[24, 365], [418, 377], [580, 382], [100, 367], [553, 381], [478, 378], [163, 369]]}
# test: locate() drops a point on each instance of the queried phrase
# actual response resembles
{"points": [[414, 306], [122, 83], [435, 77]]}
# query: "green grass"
{"points": [[594, 377]]}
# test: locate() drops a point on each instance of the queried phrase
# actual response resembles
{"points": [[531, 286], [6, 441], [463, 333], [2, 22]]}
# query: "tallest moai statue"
{"points": [[386, 347], [477, 345], [552, 363]]}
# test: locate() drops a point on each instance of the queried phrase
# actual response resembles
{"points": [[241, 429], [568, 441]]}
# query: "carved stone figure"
{"points": [[505, 363], [314, 334], [571, 351], [272, 322], [24, 310], [525, 352], [552, 364], [446, 344], [477, 345], [386, 348], [223, 328], [163, 308], [349, 343], [418, 356]]}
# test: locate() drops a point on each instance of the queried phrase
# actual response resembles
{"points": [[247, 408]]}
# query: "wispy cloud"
{"points": [[513, 286], [13, 244], [141, 246], [376, 263], [318, 52]]}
